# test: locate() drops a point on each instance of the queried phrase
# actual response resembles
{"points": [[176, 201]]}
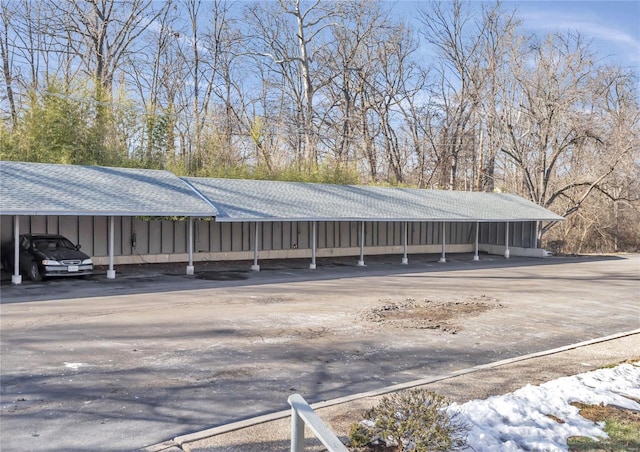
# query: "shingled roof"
{"points": [[259, 200], [52, 189]]}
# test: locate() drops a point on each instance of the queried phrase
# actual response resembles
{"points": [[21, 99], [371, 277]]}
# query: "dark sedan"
{"points": [[45, 255]]}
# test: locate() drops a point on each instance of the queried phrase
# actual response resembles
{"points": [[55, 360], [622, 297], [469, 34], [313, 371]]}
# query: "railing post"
{"points": [[297, 432], [302, 414]]}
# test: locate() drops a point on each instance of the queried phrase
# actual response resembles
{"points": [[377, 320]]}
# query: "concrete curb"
{"points": [[201, 435]]}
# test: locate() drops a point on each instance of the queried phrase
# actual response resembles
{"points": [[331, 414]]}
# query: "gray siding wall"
{"points": [[170, 237], [521, 234]]}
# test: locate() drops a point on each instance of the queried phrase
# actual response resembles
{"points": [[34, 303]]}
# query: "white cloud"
{"points": [[617, 40]]}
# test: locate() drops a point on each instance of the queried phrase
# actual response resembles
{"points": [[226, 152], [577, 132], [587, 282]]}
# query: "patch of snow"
{"points": [[521, 420], [73, 366]]}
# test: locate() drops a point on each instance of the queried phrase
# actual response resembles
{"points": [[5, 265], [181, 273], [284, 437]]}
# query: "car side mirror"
{"points": [[78, 246]]}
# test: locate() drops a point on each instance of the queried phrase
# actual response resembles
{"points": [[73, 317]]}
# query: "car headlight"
{"points": [[87, 261], [49, 262]]}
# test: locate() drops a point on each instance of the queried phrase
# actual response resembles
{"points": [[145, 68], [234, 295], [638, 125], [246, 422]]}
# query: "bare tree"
{"points": [[5, 57], [445, 27], [290, 38], [557, 131]]}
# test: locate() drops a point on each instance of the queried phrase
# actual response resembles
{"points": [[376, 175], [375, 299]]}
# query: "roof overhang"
{"points": [[272, 201], [52, 189]]}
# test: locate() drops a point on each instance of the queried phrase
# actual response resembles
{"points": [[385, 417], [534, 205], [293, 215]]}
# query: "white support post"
{"points": [[475, 255], [111, 273], [302, 414], [190, 267], [506, 242], [535, 238], [361, 261], [312, 266], [405, 259], [443, 258], [255, 267], [16, 278], [297, 432]]}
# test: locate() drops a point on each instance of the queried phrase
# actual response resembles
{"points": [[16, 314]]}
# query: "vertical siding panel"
{"points": [[265, 236], [6, 228], [215, 236], [344, 237], [52, 225], [181, 236], [202, 236], [86, 235], [276, 235], [321, 241], [167, 236], [328, 238], [68, 226], [428, 236], [287, 242], [38, 224], [353, 233], [248, 235], [304, 234], [101, 236], [236, 236], [414, 238], [117, 236], [381, 236], [155, 236], [126, 235], [225, 237], [141, 229]]}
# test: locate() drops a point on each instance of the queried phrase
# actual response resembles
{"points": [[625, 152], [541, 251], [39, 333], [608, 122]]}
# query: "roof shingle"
{"points": [[259, 200], [52, 189]]}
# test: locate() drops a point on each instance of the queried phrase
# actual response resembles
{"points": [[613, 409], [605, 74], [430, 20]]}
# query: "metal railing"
{"points": [[301, 414]]}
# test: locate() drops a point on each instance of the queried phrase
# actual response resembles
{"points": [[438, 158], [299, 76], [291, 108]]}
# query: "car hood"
{"points": [[63, 254]]}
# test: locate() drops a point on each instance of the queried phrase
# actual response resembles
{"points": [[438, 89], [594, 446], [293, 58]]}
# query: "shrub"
{"points": [[415, 420]]}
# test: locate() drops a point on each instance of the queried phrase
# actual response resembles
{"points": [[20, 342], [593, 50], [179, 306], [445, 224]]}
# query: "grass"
{"points": [[622, 426]]}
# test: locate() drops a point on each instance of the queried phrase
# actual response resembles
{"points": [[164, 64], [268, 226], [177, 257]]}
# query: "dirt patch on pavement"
{"points": [[445, 315]]}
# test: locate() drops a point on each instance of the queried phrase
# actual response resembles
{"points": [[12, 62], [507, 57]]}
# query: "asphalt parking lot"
{"points": [[120, 364]]}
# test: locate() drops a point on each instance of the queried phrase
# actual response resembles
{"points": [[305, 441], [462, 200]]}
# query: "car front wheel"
{"points": [[34, 272]]}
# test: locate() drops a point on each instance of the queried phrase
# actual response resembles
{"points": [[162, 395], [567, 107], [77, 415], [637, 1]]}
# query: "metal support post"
{"points": [[405, 259], [312, 266], [297, 432], [361, 261], [16, 278], [190, 267], [255, 267], [475, 256], [506, 242], [111, 273], [443, 258]]}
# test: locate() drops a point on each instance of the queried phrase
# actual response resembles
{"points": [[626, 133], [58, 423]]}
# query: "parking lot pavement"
{"points": [[150, 278], [121, 364], [273, 432]]}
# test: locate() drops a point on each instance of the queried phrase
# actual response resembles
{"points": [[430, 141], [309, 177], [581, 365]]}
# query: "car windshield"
{"points": [[52, 243]]}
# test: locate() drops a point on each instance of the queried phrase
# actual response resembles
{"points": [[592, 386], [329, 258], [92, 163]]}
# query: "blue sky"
{"points": [[614, 26]]}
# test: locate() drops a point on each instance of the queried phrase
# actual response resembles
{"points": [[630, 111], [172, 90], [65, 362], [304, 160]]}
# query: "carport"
{"points": [[38, 189], [254, 218], [260, 202]]}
